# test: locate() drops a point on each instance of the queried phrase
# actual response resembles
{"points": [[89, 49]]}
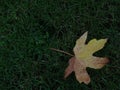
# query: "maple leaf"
{"points": [[84, 58]]}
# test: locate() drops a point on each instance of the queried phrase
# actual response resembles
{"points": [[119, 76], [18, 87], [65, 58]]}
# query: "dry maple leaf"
{"points": [[84, 58]]}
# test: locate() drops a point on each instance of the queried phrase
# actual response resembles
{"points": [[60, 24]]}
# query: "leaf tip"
{"points": [[107, 60]]}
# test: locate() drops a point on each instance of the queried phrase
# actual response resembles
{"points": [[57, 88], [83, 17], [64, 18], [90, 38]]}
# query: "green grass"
{"points": [[28, 28]]}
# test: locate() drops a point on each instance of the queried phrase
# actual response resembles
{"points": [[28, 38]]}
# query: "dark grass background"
{"points": [[28, 28]]}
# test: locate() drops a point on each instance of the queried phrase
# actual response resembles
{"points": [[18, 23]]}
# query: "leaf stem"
{"points": [[61, 51]]}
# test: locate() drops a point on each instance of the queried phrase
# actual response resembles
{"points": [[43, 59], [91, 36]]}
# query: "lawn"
{"points": [[28, 28]]}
